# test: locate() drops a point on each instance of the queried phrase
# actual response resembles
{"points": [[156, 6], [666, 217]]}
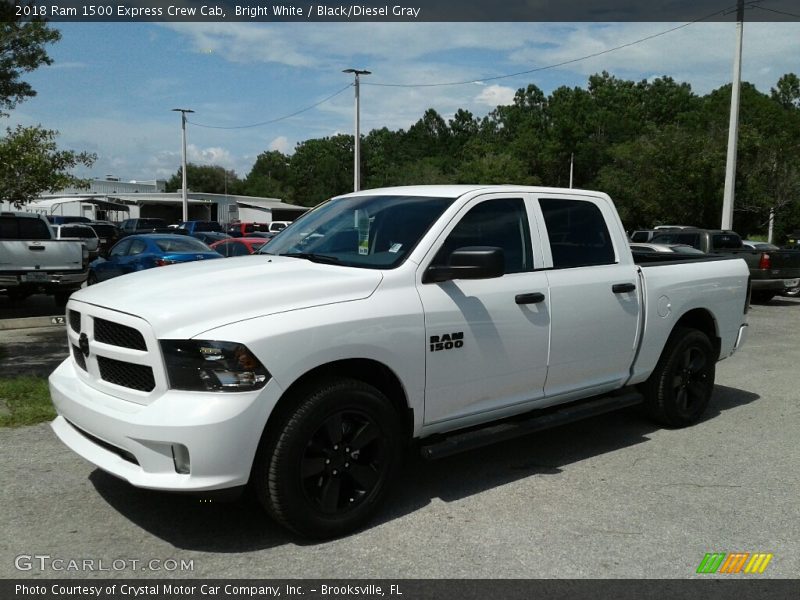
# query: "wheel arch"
{"points": [[703, 320], [367, 370]]}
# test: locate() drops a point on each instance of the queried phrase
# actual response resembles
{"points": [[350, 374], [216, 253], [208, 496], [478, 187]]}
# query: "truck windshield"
{"points": [[374, 232]]}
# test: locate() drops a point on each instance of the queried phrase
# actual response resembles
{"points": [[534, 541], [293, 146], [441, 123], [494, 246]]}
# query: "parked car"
{"points": [[193, 227], [276, 226], [151, 225], [643, 235], [209, 237], [772, 272], [33, 261], [677, 248], [266, 235], [82, 233], [441, 317], [108, 234], [243, 229], [63, 219], [139, 252], [238, 246]]}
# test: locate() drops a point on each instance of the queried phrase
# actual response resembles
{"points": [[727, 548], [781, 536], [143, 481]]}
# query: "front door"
{"points": [[487, 339]]}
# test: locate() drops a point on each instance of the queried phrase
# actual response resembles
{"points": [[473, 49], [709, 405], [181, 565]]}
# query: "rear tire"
{"points": [[61, 298], [679, 389], [326, 465]]}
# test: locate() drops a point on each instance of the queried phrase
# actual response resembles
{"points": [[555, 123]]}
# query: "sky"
{"points": [[111, 87]]}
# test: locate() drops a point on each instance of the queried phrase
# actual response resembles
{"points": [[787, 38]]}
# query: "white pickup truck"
{"points": [[446, 316], [32, 259]]}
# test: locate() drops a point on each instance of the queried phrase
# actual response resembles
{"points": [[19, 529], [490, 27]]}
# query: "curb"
{"points": [[32, 322]]}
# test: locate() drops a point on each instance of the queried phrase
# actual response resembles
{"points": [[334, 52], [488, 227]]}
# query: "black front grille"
{"points": [[124, 454], [79, 358], [75, 321], [129, 375], [118, 335]]}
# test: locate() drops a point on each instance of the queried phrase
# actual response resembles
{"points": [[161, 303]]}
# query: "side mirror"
{"points": [[469, 262]]}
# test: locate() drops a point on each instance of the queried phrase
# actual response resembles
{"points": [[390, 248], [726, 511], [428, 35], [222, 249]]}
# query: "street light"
{"points": [[357, 144], [185, 198]]}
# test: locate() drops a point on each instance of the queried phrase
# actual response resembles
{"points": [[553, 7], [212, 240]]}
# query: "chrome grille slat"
{"points": [[115, 334]]}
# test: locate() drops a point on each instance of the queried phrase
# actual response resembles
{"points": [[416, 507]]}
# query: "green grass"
{"points": [[28, 400]]}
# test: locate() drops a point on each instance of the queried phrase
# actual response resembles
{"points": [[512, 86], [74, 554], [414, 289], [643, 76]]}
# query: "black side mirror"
{"points": [[469, 262]]}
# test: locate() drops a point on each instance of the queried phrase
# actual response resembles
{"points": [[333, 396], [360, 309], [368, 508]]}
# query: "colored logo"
{"points": [[735, 562]]}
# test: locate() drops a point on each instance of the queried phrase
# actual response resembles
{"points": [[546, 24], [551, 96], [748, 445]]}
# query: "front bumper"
{"points": [[136, 442]]}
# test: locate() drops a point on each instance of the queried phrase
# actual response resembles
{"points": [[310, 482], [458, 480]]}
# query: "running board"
{"points": [[489, 434]]}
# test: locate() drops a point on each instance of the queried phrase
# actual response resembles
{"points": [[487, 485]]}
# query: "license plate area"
{"points": [[36, 277]]}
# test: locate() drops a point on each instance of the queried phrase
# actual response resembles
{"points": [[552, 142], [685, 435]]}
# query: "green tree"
{"points": [[787, 91], [269, 176], [210, 179], [22, 50], [320, 169], [31, 163]]}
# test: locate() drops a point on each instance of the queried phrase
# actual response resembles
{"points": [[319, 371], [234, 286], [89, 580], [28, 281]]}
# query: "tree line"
{"points": [[655, 146]]}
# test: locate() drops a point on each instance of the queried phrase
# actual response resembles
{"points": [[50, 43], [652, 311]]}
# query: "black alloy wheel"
{"points": [[680, 387], [328, 457]]}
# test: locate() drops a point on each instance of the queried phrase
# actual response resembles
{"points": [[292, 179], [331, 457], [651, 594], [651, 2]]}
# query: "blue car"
{"points": [[139, 252]]}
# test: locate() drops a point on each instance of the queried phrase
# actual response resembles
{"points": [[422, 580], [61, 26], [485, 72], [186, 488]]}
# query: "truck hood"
{"points": [[182, 301]]}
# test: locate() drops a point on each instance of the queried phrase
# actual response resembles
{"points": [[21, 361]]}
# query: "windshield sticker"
{"points": [[395, 248]]}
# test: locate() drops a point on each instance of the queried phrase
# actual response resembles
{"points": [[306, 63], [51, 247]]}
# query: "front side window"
{"points": [[578, 233], [500, 223], [374, 232], [121, 248]]}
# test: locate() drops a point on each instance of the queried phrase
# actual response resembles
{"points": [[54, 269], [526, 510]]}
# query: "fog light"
{"points": [[180, 456]]}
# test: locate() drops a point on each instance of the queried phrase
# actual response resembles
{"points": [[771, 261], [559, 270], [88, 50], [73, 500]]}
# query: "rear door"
{"points": [[594, 296], [486, 342]]}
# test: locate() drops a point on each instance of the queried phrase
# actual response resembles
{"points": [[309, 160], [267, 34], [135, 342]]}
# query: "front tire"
{"points": [[679, 389], [326, 465]]}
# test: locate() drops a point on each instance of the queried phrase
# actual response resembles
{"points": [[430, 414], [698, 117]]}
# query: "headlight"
{"points": [[211, 366]]}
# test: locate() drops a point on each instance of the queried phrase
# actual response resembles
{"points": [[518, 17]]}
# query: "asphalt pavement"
{"points": [[609, 497]]}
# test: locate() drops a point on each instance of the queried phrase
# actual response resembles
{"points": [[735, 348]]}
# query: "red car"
{"points": [[238, 246], [241, 229]]}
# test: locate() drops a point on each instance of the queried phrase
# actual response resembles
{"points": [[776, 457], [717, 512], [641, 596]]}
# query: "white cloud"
{"points": [[495, 95], [281, 144]]}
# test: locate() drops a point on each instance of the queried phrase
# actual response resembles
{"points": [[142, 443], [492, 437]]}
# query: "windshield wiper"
{"points": [[317, 258]]}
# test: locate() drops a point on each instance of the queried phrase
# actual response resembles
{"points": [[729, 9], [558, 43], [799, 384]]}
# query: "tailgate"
{"points": [[787, 262], [21, 256]]}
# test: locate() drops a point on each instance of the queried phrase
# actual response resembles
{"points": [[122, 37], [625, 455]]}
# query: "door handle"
{"points": [[533, 298], [621, 288], [36, 248]]}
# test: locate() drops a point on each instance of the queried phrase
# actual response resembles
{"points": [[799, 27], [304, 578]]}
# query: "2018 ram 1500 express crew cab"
{"points": [[444, 315]]}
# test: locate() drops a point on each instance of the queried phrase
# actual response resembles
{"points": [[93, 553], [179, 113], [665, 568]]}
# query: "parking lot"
{"points": [[610, 497]]}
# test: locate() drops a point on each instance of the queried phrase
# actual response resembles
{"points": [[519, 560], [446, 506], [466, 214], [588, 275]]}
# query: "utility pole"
{"points": [[733, 128], [185, 198], [357, 140], [571, 161]]}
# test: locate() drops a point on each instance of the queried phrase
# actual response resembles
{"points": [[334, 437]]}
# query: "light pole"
{"points": [[185, 198], [733, 128], [357, 140]]}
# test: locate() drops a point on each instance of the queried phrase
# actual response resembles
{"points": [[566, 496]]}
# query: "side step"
{"points": [[509, 429]]}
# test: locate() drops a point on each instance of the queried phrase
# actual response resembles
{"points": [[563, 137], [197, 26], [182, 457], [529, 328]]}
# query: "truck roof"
{"points": [[453, 191]]}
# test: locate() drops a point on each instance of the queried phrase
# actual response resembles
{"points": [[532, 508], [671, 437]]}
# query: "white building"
{"points": [[113, 200]]}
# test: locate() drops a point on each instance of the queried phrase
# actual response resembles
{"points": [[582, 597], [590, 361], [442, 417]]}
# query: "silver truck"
{"points": [[32, 261]]}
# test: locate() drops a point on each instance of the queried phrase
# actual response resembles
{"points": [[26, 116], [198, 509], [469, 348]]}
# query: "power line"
{"points": [[779, 12], [283, 118], [555, 65]]}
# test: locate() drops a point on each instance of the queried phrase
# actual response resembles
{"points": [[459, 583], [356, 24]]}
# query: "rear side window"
{"points": [[578, 233], [23, 228], [77, 231], [725, 240], [176, 244]]}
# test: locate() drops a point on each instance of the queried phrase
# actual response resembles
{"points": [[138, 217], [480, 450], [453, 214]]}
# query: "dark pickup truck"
{"points": [[771, 272]]}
